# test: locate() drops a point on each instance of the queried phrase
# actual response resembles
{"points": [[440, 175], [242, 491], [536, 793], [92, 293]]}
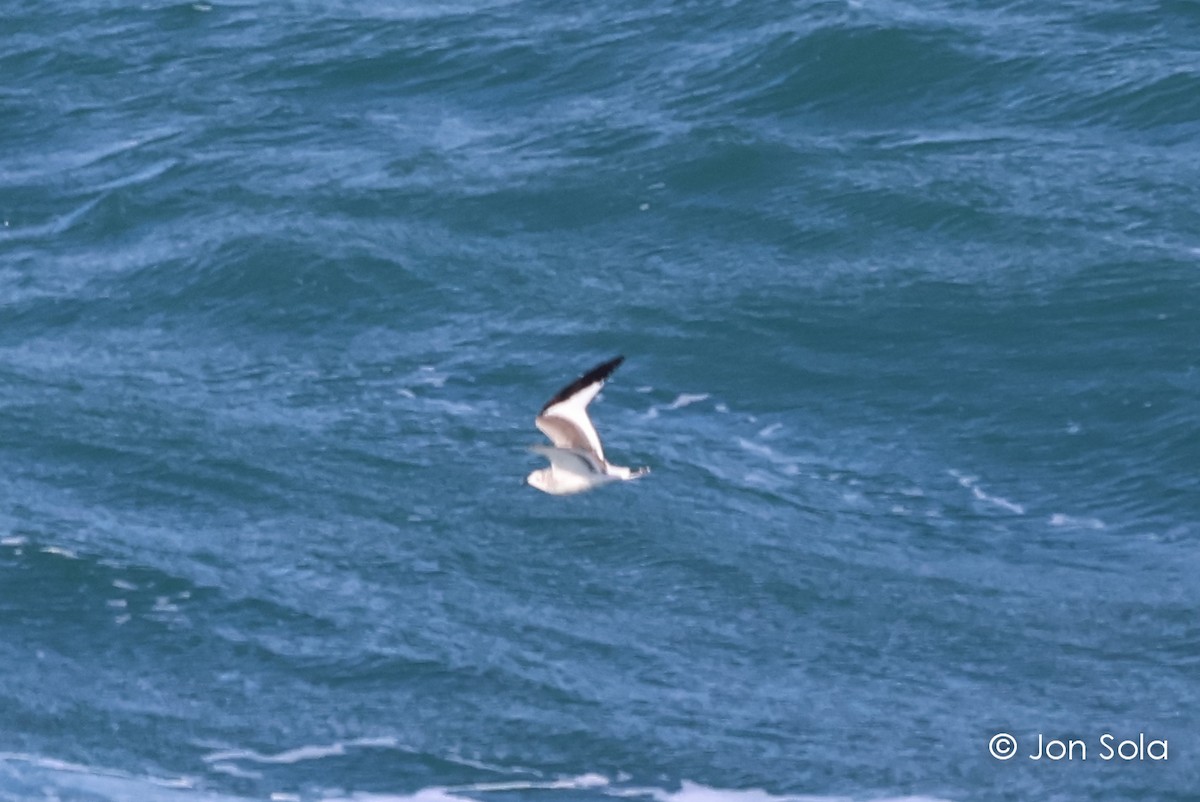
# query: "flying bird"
{"points": [[577, 460]]}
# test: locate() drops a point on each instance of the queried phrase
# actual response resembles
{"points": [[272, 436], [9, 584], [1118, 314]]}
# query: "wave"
{"points": [[25, 776], [25, 773], [1164, 101], [827, 68]]}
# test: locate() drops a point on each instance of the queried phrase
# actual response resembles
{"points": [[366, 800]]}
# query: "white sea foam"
{"points": [[46, 762], [687, 399], [1072, 522], [465, 792], [787, 465], [682, 400], [696, 792], [972, 483], [300, 753], [424, 795], [687, 792], [163, 605], [431, 377], [474, 763], [579, 782], [60, 552], [73, 777], [235, 771], [63, 779]]}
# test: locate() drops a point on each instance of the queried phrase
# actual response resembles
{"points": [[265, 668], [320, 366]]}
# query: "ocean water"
{"points": [[910, 300]]}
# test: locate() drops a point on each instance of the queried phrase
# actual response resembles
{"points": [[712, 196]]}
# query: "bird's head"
{"points": [[540, 480]]}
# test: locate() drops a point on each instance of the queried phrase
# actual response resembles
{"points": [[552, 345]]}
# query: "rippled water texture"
{"points": [[909, 299]]}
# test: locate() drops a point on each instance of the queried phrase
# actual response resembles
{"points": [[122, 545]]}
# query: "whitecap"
{"points": [[578, 782], [696, 792], [234, 771], [61, 552], [63, 779], [687, 399], [431, 377], [461, 793], [788, 465], [163, 605], [1070, 521], [300, 753], [682, 400], [433, 794], [972, 483]]}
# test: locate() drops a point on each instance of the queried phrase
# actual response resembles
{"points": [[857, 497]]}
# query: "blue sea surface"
{"points": [[910, 300]]}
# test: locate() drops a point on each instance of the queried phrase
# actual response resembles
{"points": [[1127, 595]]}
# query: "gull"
{"points": [[577, 460]]}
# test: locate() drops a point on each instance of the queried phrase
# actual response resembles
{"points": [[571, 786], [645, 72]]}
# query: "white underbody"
{"points": [[575, 470]]}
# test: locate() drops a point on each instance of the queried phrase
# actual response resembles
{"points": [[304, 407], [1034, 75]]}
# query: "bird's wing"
{"points": [[574, 460], [564, 419]]}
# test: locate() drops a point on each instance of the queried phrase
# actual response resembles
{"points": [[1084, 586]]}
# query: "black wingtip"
{"points": [[597, 374]]}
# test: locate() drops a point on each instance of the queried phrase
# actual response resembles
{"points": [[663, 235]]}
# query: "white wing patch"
{"points": [[568, 426]]}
